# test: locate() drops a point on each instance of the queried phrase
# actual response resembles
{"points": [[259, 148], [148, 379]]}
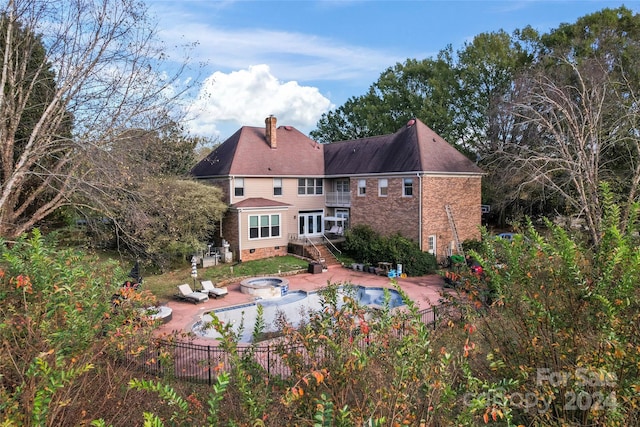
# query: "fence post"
{"points": [[435, 317], [269, 360], [209, 364]]}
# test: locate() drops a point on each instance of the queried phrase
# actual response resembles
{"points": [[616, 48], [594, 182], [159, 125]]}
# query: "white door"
{"points": [[310, 224]]}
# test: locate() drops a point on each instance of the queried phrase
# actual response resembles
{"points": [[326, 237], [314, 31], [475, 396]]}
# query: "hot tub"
{"points": [[265, 287]]}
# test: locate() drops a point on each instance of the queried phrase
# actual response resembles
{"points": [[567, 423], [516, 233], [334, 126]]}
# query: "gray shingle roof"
{"points": [[413, 148]]}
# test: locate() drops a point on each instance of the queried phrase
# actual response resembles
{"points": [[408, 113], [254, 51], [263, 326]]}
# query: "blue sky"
{"points": [[300, 59]]}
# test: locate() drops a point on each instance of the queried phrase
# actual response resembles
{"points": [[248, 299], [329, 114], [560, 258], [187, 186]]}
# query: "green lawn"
{"points": [[163, 286]]}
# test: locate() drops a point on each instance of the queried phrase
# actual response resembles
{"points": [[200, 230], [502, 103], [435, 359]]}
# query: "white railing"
{"points": [[338, 198]]}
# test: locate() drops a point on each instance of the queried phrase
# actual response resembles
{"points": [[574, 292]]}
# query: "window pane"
{"points": [[253, 221], [382, 187], [362, 187], [277, 186], [275, 219], [408, 187], [264, 220], [253, 233]]}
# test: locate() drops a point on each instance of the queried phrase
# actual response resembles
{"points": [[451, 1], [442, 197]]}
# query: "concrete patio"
{"points": [[424, 291]]}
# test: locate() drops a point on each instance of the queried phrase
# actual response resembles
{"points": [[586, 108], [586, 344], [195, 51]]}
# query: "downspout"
{"points": [[420, 211], [239, 236]]}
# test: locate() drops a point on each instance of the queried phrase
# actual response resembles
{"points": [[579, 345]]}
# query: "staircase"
{"points": [[454, 230], [327, 255]]}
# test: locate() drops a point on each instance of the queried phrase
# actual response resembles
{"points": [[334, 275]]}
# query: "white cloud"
{"points": [[228, 101], [290, 55]]}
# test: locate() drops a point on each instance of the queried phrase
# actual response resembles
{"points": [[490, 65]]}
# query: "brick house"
{"points": [[283, 187]]}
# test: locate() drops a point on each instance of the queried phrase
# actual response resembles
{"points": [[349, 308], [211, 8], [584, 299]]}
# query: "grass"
{"points": [[163, 286]]}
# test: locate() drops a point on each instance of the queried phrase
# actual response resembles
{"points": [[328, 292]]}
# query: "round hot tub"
{"points": [[265, 287]]}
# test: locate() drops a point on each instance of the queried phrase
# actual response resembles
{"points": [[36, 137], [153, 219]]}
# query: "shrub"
{"points": [[560, 320], [365, 245], [56, 322]]}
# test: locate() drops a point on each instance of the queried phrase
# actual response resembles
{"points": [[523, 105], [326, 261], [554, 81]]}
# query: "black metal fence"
{"points": [[201, 363]]}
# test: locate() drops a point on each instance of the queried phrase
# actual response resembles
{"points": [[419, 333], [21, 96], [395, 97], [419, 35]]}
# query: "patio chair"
{"points": [[209, 288], [333, 230], [187, 294]]}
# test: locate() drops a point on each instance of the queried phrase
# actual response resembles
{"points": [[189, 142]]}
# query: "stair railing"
{"points": [[309, 242], [328, 241]]}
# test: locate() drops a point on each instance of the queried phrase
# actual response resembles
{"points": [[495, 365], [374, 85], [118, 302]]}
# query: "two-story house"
{"points": [[281, 186]]}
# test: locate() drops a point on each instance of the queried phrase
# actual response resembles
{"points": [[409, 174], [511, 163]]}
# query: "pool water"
{"points": [[295, 306]]}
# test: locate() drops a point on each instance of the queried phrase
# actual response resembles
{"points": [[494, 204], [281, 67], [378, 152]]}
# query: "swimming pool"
{"points": [[295, 305]]}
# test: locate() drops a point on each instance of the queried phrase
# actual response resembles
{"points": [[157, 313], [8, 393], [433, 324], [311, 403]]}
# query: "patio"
{"points": [[424, 291]]}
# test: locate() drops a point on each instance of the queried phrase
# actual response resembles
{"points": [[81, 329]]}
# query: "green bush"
{"points": [[56, 323], [560, 321], [365, 245]]}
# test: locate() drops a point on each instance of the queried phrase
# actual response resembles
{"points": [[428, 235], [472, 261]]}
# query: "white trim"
{"points": [[432, 244], [259, 226]]}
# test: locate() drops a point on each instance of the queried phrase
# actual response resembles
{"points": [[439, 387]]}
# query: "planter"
{"points": [[315, 268]]}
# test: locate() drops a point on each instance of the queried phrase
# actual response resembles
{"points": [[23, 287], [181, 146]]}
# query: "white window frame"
{"points": [[383, 187], [277, 186], [407, 184], [310, 186], [342, 185], [432, 242], [268, 226], [238, 187], [362, 187]]}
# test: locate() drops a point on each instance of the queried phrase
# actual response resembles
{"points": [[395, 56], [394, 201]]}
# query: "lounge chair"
{"points": [[335, 231], [209, 288], [186, 293]]}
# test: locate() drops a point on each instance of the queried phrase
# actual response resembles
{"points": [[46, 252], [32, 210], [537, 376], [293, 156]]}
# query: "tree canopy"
{"points": [[547, 116], [76, 78]]}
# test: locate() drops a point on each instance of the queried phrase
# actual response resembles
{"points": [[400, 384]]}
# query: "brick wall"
{"points": [[260, 253], [463, 194], [230, 231], [388, 215], [398, 214]]}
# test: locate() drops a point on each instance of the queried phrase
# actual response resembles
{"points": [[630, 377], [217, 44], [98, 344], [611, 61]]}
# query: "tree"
{"points": [[577, 113], [171, 220], [417, 88], [487, 68], [75, 77]]}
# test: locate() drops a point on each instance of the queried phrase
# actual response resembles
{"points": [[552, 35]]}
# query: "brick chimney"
{"points": [[270, 131]]}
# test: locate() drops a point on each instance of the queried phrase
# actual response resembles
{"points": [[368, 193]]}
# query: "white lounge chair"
{"points": [[186, 293], [209, 288], [335, 230]]}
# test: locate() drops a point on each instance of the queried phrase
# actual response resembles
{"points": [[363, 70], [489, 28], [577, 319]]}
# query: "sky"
{"points": [[299, 59]]}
